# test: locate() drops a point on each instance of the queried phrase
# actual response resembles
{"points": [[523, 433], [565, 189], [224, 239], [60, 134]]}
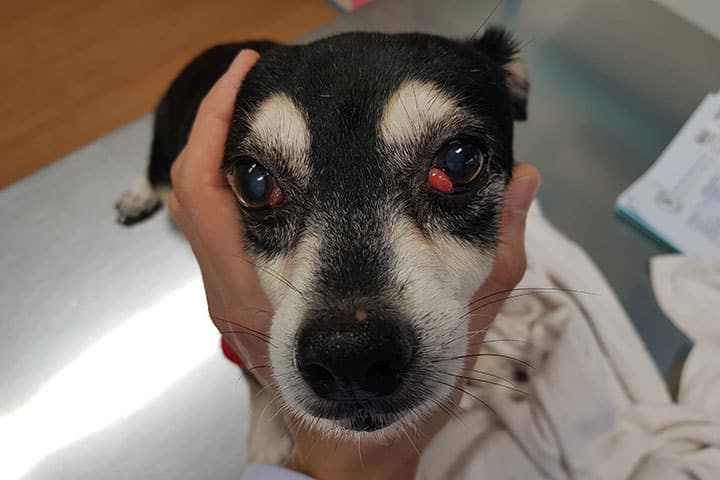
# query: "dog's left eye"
{"points": [[456, 165], [254, 186]]}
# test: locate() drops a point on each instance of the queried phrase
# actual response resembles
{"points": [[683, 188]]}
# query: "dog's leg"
{"points": [[268, 440], [140, 201]]}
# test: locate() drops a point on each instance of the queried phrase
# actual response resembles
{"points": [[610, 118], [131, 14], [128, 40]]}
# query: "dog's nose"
{"points": [[363, 357]]}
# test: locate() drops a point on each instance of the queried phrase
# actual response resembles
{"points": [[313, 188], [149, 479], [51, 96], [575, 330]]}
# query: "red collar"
{"points": [[231, 354]]}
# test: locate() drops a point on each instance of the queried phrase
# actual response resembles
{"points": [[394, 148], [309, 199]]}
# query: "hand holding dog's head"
{"points": [[204, 208]]}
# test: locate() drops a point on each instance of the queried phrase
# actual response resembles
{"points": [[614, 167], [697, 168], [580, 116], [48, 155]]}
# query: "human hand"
{"points": [[204, 208]]}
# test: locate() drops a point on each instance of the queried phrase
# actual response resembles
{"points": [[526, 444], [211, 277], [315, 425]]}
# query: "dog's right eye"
{"points": [[254, 186]]}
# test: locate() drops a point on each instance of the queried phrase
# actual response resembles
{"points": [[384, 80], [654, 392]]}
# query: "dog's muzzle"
{"points": [[355, 360]]}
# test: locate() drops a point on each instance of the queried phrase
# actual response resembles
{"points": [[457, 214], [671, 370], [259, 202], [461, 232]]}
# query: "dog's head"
{"points": [[369, 171]]}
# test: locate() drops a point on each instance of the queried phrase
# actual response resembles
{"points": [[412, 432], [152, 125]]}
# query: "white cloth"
{"points": [[688, 291], [598, 408]]}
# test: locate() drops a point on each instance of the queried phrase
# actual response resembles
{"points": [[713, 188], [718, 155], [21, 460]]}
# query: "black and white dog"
{"points": [[369, 171]]}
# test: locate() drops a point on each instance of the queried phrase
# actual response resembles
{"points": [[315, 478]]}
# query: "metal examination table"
{"points": [[108, 368]]}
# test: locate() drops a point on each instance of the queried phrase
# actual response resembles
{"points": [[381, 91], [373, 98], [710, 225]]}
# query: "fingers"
{"points": [[200, 191], [200, 162], [205, 210], [510, 261], [522, 190], [201, 203], [212, 121]]}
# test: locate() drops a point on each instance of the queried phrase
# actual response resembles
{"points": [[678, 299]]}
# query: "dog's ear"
{"points": [[498, 44]]}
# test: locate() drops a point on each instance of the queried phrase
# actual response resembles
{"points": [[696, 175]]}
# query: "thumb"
{"points": [[510, 260], [521, 192]]}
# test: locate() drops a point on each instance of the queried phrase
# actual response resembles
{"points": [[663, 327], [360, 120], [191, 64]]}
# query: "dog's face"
{"points": [[369, 171]]}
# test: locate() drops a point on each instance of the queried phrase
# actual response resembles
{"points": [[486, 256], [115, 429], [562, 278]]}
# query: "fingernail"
{"points": [[523, 193]]}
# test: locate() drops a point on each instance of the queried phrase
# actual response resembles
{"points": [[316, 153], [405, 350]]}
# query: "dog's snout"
{"points": [[362, 357]]}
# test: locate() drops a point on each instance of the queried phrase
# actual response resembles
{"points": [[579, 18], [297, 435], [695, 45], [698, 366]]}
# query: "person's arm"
{"points": [[203, 206]]}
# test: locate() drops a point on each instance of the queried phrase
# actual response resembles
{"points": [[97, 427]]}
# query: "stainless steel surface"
{"points": [[108, 367]]}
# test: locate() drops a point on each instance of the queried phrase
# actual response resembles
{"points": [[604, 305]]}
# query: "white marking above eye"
{"points": [[414, 108], [280, 125]]}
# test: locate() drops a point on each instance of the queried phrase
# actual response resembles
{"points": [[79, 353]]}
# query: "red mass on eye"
{"points": [[440, 180]]}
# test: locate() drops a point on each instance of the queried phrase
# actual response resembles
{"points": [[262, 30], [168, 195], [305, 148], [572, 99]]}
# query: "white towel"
{"points": [[688, 291], [598, 408]]}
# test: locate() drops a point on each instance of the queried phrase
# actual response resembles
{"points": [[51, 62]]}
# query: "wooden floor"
{"points": [[73, 70]]}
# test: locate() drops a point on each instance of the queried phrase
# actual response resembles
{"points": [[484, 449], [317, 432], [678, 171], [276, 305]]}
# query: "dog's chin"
{"points": [[363, 426], [358, 419], [367, 422]]}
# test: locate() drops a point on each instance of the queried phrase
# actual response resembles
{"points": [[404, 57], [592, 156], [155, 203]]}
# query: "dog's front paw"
{"points": [[268, 442], [138, 203]]}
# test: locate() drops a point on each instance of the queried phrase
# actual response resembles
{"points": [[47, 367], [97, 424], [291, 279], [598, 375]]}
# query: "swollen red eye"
{"points": [[456, 165], [255, 187]]}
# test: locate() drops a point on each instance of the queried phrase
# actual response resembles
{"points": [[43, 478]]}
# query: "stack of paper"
{"points": [[678, 199]]}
